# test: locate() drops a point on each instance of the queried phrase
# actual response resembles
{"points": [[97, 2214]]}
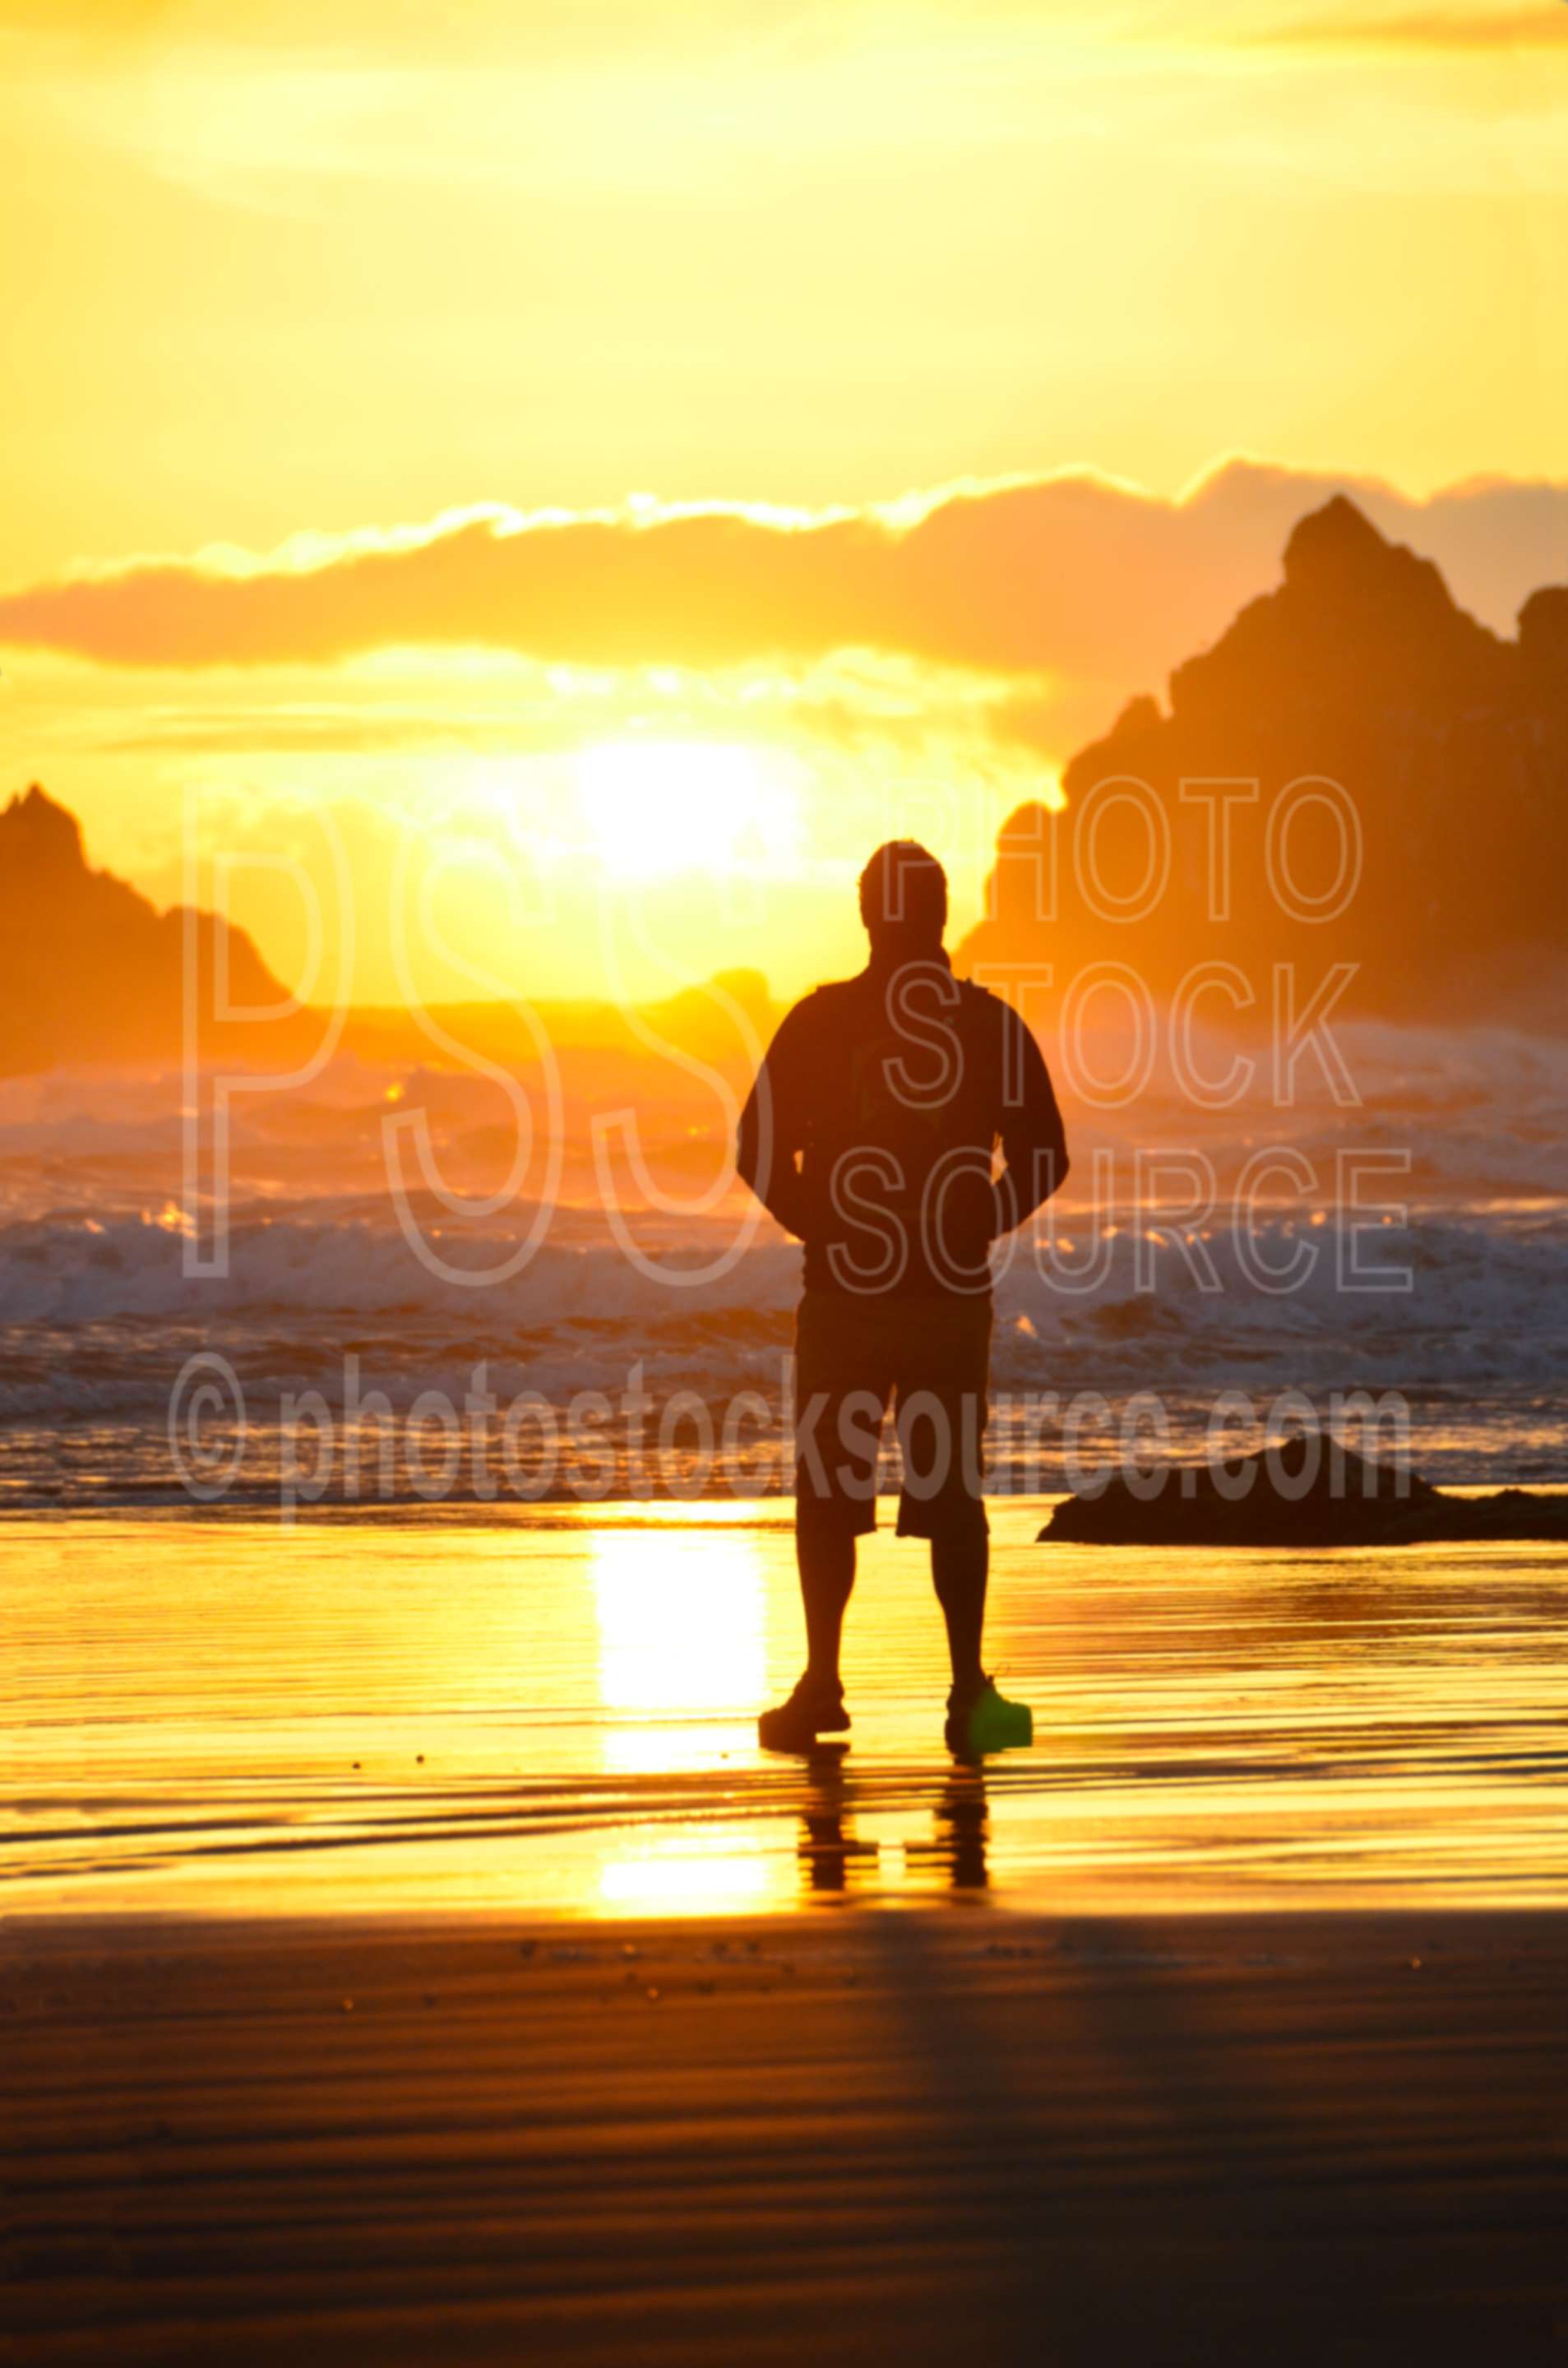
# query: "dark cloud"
{"points": [[1074, 579]]}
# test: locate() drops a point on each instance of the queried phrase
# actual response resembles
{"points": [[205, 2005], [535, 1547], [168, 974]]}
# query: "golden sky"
{"points": [[487, 425]]}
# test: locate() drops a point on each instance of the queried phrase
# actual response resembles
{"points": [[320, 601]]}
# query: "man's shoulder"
{"points": [[805, 1027], [835, 989], [824, 1006], [985, 1012], [999, 1038], [835, 1001]]}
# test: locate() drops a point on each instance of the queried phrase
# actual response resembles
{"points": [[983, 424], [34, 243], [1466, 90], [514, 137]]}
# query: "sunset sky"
{"points": [[639, 455]]}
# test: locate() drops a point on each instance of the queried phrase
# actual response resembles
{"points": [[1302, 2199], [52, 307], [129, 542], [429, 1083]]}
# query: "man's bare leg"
{"points": [[959, 1569], [978, 1718], [825, 1561], [826, 1565]]}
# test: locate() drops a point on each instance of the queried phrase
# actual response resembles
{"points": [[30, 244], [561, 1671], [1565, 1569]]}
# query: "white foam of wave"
{"points": [[97, 1313]]}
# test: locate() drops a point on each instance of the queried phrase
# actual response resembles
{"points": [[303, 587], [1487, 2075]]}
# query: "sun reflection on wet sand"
{"points": [[675, 1876], [681, 1644], [556, 1715]]}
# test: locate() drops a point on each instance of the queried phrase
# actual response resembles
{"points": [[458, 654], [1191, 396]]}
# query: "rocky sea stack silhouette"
{"points": [[90, 971], [1450, 742]]}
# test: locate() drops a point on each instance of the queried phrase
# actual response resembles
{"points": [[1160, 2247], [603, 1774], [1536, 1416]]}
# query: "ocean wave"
{"points": [[94, 1313]]}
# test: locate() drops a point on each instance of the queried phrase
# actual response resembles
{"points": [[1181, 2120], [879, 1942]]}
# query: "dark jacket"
{"points": [[871, 1130]]}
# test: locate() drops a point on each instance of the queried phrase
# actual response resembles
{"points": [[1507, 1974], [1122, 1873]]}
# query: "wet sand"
{"points": [[861, 2134], [557, 1717]]}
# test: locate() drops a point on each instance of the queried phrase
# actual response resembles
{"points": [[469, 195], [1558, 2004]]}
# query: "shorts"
{"points": [[852, 1354]]}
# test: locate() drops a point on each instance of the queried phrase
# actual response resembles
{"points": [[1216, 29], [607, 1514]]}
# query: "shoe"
{"points": [[986, 1721], [811, 1711]]}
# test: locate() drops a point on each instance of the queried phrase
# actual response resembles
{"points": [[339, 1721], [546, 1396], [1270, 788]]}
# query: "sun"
{"points": [[662, 806]]}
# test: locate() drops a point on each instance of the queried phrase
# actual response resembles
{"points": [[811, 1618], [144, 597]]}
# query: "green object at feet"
{"points": [[986, 1721]]}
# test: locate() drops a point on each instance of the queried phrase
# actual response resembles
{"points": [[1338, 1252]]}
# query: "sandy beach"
{"points": [[410, 1955], [904, 2136]]}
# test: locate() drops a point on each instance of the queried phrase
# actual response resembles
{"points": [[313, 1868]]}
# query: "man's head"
{"points": [[903, 899]]}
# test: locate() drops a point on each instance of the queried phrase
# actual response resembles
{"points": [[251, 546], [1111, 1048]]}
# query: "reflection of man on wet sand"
{"points": [[834, 1857], [871, 1134]]}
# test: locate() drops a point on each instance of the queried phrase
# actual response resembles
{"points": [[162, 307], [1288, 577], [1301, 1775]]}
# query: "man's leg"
{"points": [[978, 1718], [825, 1560], [836, 1477], [825, 1556], [945, 1501], [941, 1428], [960, 1567]]}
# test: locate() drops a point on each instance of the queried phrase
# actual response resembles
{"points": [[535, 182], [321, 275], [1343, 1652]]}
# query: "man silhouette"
{"points": [[871, 1134]]}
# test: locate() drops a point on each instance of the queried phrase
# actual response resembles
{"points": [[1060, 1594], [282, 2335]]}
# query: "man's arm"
{"points": [[771, 1131], [1034, 1142]]}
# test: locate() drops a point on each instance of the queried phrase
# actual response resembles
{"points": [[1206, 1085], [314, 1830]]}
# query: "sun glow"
{"points": [[683, 1651], [660, 806]]}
